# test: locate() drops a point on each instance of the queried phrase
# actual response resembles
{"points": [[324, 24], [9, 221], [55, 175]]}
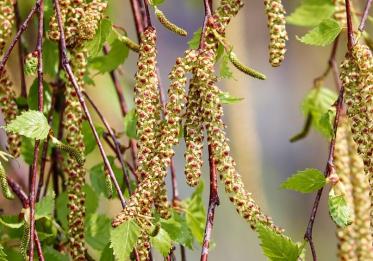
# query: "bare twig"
{"points": [[32, 197], [350, 29], [19, 192], [67, 68], [365, 15]]}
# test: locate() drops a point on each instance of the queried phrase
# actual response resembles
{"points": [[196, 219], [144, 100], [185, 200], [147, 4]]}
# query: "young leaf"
{"points": [[323, 34], [305, 181], [97, 231], [277, 247], [339, 211], [32, 98], [162, 242], [326, 123], [95, 46], [226, 98], [195, 213], [45, 207], [130, 121], [91, 199], [89, 138], [2, 254], [123, 239], [52, 254], [311, 13], [12, 222], [225, 70], [31, 124], [116, 56], [107, 254], [194, 42]]}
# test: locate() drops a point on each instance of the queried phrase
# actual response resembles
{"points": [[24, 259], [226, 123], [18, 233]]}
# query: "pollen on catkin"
{"points": [[277, 32]]}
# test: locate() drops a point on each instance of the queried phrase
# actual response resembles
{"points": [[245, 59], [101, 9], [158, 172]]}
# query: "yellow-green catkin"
{"points": [[162, 18], [4, 184], [277, 32], [8, 105], [143, 246], [340, 12]]}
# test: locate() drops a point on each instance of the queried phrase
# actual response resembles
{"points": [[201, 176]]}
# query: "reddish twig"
{"points": [[350, 29], [21, 56], [365, 15], [68, 70], [116, 143], [138, 15], [16, 188], [213, 202]]}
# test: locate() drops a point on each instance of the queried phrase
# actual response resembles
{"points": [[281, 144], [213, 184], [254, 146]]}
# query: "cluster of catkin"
{"points": [[80, 22], [196, 110], [357, 78], [355, 241], [7, 94]]}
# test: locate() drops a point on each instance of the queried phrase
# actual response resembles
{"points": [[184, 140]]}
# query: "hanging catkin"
{"points": [[8, 105]]}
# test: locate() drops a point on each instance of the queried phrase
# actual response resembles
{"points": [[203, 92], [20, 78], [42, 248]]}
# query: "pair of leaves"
{"points": [[306, 181]]}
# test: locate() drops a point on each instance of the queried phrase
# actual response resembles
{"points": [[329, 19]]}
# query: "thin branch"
{"points": [[350, 29], [117, 147], [16, 38], [32, 197], [67, 67], [147, 20], [19, 192], [365, 15], [21, 56], [213, 202], [136, 6]]}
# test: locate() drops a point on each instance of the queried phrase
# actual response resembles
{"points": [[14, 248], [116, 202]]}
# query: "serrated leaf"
{"points": [[89, 138], [130, 121], [195, 213], [123, 239], [178, 230], [2, 254], [194, 42], [162, 242], [305, 181], [115, 57], [339, 210], [323, 34], [326, 123], [226, 98], [311, 13], [107, 254], [97, 231], [31, 124], [51, 254], [275, 246], [225, 70], [32, 98], [317, 103], [45, 207], [94, 47]]}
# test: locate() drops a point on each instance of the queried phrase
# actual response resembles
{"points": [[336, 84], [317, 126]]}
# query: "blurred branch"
{"points": [[365, 15]]}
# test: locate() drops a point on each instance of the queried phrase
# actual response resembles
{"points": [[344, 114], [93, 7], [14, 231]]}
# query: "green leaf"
{"points": [[130, 121], [339, 210], [95, 46], [275, 246], [226, 98], [156, 2], [317, 103], [194, 42], [178, 229], [51, 254], [107, 254], [50, 57], [45, 207], [89, 138], [326, 123], [13, 255], [32, 98], [311, 13], [305, 181], [116, 56], [62, 209], [12, 222], [225, 70], [123, 239], [31, 124], [97, 177], [97, 231], [27, 150], [196, 214], [91, 199], [323, 34], [162, 242], [2, 254]]}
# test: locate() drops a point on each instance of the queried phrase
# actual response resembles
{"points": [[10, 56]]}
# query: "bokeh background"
{"points": [[259, 127]]}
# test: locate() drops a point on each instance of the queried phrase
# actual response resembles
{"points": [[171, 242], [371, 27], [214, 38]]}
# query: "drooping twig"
{"points": [[21, 56], [213, 202], [116, 143], [17, 37], [67, 67], [365, 15]]}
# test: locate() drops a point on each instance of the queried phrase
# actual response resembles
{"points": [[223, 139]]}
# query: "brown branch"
{"points": [[116, 145], [16, 38], [350, 29], [213, 202], [137, 12], [68, 70], [365, 15], [19, 192], [21, 56]]}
